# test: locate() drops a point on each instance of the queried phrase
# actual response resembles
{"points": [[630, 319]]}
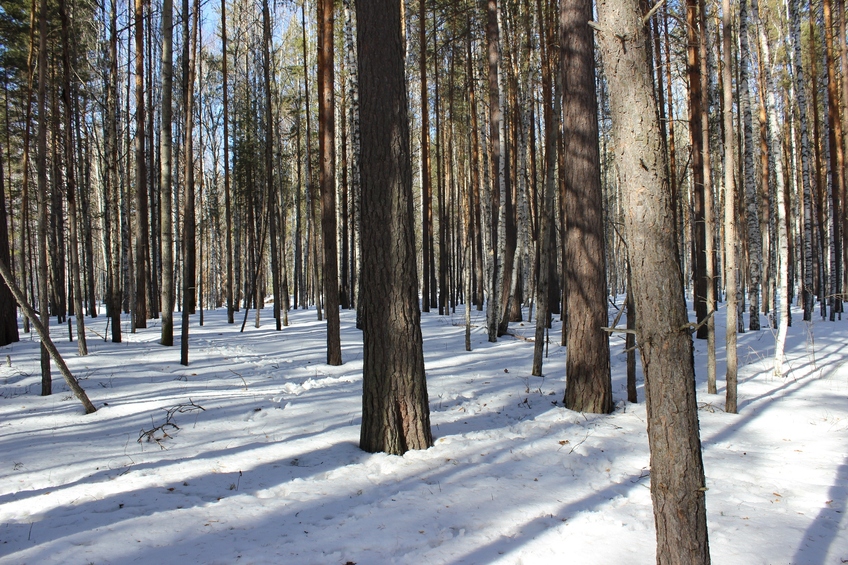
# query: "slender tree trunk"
{"points": [[189, 250], [353, 118], [8, 310], [731, 272], [837, 166], [70, 174], [395, 408], [327, 150], [41, 168], [696, 134], [801, 96], [46, 342], [752, 220], [228, 210], [270, 195], [311, 200], [776, 165], [708, 197], [26, 159], [142, 234], [497, 181], [677, 472], [547, 254], [426, 197], [165, 177]]}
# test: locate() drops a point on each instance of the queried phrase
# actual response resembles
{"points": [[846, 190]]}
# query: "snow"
{"points": [[264, 466]]}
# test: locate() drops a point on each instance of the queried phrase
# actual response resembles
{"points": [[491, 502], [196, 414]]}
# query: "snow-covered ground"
{"points": [[261, 464]]}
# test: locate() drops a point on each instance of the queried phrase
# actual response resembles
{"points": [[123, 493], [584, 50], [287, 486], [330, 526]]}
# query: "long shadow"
{"points": [[339, 512], [530, 530], [825, 529], [111, 510]]}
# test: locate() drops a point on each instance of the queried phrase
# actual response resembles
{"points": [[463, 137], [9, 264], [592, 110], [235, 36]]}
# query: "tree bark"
{"points": [[327, 150], [70, 174], [587, 368], [426, 196], [497, 204], [395, 407], [731, 273], [41, 168], [8, 311], [776, 166], [165, 177], [677, 472], [189, 236], [696, 135], [228, 209], [142, 234]]}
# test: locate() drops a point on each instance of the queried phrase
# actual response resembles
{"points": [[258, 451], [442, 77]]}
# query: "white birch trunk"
{"points": [[777, 167]]}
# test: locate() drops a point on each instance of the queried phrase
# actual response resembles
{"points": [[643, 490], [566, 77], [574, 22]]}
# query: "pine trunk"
{"points": [[395, 408], [587, 368], [677, 472]]}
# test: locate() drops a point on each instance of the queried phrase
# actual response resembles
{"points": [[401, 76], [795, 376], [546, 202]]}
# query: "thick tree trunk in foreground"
{"points": [[677, 471], [395, 407], [587, 366]]}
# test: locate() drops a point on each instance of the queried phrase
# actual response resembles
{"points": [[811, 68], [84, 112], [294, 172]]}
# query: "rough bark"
{"points": [[696, 135], [587, 367], [426, 193], [142, 233], [801, 96], [395, 407], [189, 215], [228, 210], [752, 219], [731, 273], [165, 178], [677, 473], [41, 171], [496, 209], [327, 150]]}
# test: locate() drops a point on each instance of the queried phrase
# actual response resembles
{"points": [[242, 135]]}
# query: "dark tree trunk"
{"points": [[426, 195], [395, 408], [587, 369], [165, 177], [327, 150], [662, 328], [696, 136], [8, 308], [142, 234], [227, 204], [189, 249], [41, 168]]}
